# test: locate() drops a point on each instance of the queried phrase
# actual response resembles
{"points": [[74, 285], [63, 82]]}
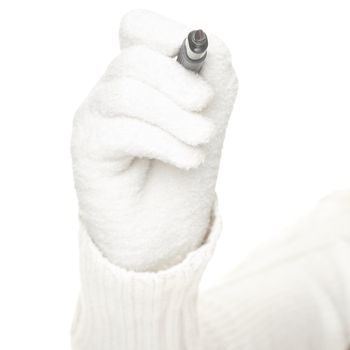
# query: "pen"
{"points": [[193, 50]]}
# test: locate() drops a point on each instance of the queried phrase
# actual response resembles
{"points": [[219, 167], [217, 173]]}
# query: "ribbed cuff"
{"points": [[126, 310]]}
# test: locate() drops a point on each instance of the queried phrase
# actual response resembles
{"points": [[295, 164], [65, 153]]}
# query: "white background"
{"points": [[287, 144]]}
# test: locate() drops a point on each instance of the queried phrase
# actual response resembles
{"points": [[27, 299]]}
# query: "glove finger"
{"points": [[188, 90], [219, 73], [131, 98], [145, 28], [218, 63], [98, 137], [142, 27]]}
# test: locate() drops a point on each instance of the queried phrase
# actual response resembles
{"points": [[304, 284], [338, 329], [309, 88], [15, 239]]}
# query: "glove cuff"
{"points": [[126, 310]]}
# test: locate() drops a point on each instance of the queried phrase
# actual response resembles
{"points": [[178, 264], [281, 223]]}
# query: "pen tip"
{"points": [[199, 35]]}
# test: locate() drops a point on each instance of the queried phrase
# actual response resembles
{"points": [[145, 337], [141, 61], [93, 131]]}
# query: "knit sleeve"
{"points": [[126, 310]]}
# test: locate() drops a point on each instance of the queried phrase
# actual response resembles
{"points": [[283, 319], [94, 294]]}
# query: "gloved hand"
{"points": [[146, 146]]}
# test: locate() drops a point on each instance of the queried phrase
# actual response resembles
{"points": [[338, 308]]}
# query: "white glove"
{"points": [[146, 146]]}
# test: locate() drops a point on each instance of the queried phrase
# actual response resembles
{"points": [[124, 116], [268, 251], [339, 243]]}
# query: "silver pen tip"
{"points": [[199, 35], [198, 41]]}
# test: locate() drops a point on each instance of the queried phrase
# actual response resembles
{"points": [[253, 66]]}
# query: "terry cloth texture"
{"points": [[146, 146]]}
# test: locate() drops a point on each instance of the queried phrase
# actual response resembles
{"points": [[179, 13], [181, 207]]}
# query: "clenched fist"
{"points": [[146, 146]]}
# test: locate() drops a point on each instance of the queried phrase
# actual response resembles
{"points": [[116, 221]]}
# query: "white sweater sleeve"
{"points": [[126, 310], [292, 294]]}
